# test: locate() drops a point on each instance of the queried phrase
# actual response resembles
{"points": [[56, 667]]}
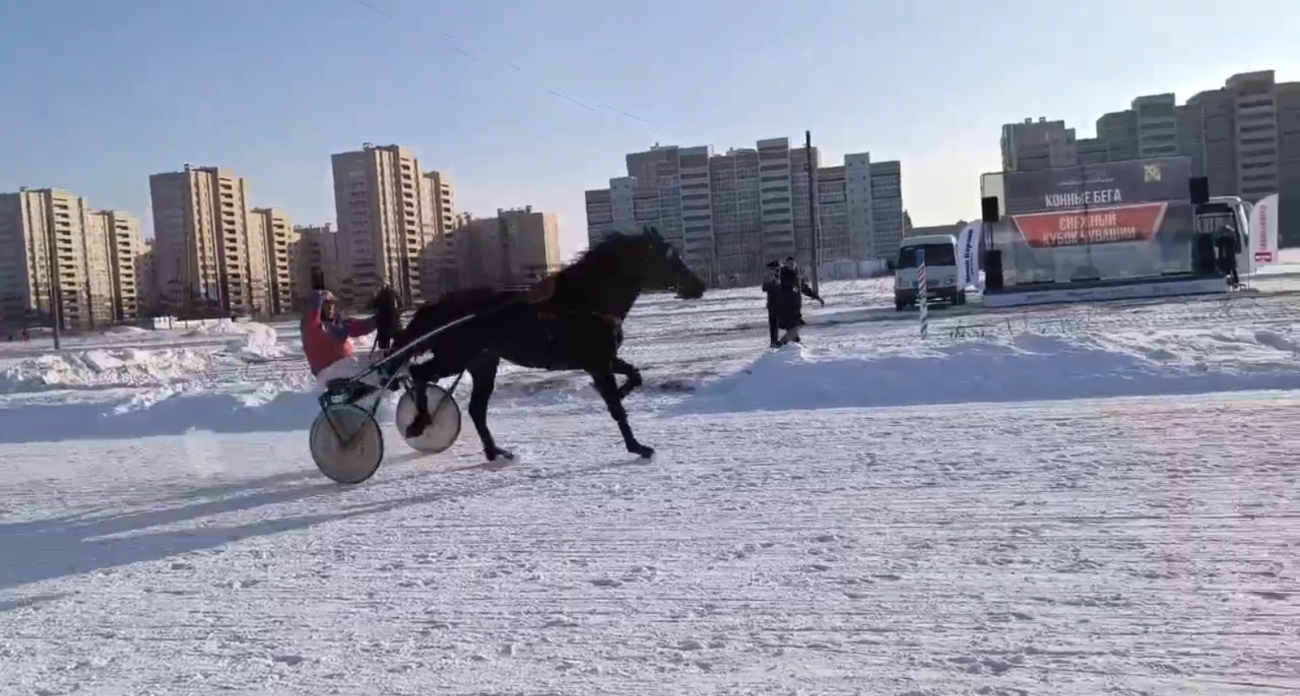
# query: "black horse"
{"points": [[572, 320]]}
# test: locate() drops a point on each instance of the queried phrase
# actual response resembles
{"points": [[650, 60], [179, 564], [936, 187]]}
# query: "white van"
{"points": [[940, 271]]}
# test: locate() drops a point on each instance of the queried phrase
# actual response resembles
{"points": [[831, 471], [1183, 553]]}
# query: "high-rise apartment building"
{"points": [[847, 210], [518, 245], [317, 262], [98, 275], [440, 271], [643, 166], [204, 254], [383, 226], [1288, 155], [1148, 128], [886, 208], [54, 260], [122, 244], [729, 214], [776, 201], [146, 273], [1040, 144], [737, 217], [1237, 131], [279, 240]]}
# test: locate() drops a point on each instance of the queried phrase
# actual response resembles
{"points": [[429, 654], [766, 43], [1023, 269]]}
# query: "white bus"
{"points": [[940, 271]]}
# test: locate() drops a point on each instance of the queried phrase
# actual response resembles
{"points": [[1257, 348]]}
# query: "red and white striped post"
{"points": [[922, 293]]}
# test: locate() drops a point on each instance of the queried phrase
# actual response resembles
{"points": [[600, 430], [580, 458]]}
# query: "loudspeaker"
{"points": [[1205, 255], [993, 268], [1199, 189], [989, 209]]}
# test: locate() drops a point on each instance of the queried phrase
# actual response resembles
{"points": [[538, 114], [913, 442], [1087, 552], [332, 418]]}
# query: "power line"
{"points": [[522, 75]]}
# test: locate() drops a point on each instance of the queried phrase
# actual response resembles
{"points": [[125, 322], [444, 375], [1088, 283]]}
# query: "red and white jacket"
{"points": [[325, 343]]}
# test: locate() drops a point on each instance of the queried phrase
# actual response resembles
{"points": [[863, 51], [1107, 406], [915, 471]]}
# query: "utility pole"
{"points": [[811, 168]]}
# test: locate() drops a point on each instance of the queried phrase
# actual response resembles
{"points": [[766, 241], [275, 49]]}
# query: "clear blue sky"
{"points": [[96, 95]]}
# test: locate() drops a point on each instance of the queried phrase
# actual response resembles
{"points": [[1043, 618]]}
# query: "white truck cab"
{"points": [[940, 271], [1235, 213]]}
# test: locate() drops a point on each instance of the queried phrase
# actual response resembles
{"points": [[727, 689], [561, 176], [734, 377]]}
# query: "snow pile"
{"points": [[1025, 367], [225, 327], [175, 409], [258, 344], [101, 369]]}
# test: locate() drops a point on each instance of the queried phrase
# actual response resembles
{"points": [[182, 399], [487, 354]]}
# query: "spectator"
{"points": [[388, 316], [791, 290]]}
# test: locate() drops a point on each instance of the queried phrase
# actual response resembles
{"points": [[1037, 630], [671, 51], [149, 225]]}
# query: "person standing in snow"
{"points": [[791, 289], [1228, 243], [771, 287], [388, 316], [327, 339]]}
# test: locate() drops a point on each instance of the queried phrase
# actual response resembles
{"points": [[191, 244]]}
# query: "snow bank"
{"points": [[259, 343], [225, 327], [101, 369], [170, 411], [176, 409], [1027, 367]]}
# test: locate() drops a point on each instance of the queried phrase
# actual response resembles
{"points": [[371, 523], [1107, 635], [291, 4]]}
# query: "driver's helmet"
{"points": [[327, 302]]}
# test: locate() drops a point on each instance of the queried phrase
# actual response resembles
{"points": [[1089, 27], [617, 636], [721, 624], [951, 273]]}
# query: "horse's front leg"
{"points": [[634, 381], [609, 390], [483, 371]]}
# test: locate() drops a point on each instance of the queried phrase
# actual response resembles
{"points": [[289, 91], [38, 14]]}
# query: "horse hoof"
{"points": [[498, 453], [642, 451], [417, 426]]}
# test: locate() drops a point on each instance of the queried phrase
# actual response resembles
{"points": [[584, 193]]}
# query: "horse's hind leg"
{"points": [[483, 371], [422, 376], [609, 390], [627, 369]]}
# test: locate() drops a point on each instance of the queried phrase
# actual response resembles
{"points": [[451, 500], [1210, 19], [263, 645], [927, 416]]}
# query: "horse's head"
{"points": [[662, 267]]}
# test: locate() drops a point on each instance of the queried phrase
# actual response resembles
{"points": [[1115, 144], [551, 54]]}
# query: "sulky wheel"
{"points": [[346, 443], [442, 433]]}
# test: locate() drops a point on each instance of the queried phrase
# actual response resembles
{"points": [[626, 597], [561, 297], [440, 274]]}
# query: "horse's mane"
{"points": [[585, 259]]}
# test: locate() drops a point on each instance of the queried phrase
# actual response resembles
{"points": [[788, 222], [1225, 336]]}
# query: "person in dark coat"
{"points": [[1228, 243], [791, 290], [771, 287], [388, 316]]}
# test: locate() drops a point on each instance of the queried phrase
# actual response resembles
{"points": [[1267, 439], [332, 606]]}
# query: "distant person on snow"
{"points": [[791, 290], [1228, 243], [771, 287], [327, 339], [388, 316]]}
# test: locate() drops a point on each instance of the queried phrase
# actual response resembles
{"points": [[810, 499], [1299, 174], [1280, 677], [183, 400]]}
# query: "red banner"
{"points": [[1125, 223]]}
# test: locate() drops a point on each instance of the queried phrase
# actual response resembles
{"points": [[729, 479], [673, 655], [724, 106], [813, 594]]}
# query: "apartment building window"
{"points": [[1255, 103]]}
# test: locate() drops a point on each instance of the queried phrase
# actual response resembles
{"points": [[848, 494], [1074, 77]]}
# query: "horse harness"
{"points": [[540, 296]]}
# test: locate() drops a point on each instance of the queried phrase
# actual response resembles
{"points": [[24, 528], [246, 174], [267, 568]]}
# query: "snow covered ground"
{"points": [[1083, 501]]}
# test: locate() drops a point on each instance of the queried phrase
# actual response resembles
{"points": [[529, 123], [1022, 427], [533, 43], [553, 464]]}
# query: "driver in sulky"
{"points": [[327, 339]]}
